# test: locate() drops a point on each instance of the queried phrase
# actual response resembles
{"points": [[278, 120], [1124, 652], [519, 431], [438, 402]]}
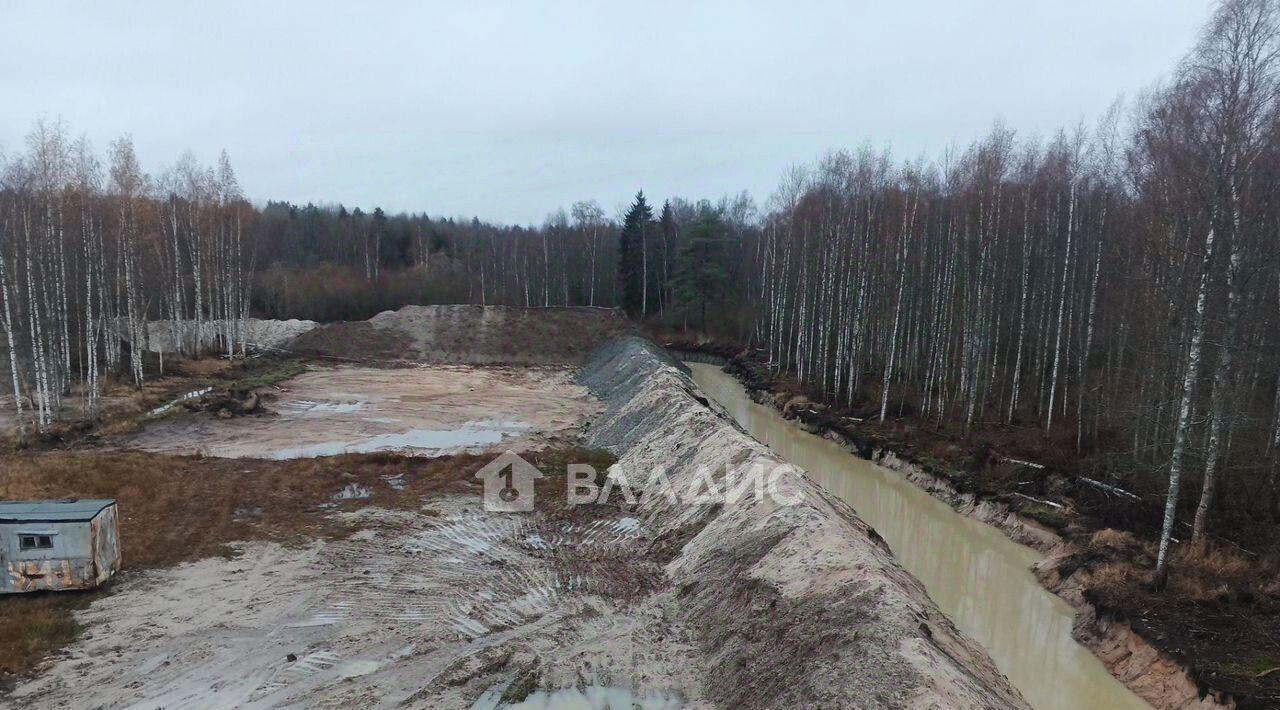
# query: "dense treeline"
{"points": [[326, 263]]}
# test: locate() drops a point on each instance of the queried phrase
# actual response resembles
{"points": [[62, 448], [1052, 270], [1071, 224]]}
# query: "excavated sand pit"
{"points": [[655, 604], [426, 411]]}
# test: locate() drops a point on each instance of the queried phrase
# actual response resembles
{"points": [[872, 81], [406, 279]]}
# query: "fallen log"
{"points": [[1108, 488]]}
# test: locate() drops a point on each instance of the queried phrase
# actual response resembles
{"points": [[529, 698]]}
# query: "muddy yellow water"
{"points": [[977, 576]]}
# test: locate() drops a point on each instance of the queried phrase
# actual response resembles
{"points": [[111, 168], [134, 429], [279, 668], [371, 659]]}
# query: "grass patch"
{"points": [[522, 687], [34, 625], [274, 372], [1043, 514], [1255, 666]]}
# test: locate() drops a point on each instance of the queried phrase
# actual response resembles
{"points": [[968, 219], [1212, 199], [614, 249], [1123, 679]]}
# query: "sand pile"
{"points": [[165, 335], [796, 605], [467, 334]]}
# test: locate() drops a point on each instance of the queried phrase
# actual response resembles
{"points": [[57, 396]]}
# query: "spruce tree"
{"points": [[633, 258]]}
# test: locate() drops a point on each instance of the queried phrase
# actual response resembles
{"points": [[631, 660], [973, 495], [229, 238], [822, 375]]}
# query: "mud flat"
{"points": [[438, 605], [422, 410]]}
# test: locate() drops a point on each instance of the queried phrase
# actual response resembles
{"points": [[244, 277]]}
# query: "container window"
{"points": [[35, 542]]}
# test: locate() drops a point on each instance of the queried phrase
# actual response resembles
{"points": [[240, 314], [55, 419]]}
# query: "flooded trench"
{"points": [[977, 576]]}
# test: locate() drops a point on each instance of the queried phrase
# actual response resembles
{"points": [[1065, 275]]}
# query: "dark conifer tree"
{"points": [[633, 258]]}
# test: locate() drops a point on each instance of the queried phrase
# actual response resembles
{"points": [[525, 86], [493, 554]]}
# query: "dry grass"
{"points": [[1199, 573], [1205, 573], [32, 625], [1216, 614], [1123, 545], [179, 508], [1111, 538]]}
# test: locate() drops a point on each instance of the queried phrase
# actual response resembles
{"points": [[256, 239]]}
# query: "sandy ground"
{"points": [[438, 610], [447, 607], [425, 410]]}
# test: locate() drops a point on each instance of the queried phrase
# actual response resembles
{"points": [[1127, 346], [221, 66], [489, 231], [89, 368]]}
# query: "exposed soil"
{"points": [[379, 579], [1217, 615], [467, 334], [424, 410]]}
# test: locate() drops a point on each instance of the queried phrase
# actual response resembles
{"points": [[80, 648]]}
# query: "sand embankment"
{"points": [[796, 605]]}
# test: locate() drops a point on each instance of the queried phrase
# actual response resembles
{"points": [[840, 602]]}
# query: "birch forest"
{"points": [[95, 255], [1115, 285]]}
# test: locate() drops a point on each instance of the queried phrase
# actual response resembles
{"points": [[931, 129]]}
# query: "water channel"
{"points": [[976, 575]]}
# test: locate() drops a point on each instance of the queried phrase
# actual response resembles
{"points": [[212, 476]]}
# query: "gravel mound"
{"points": [[796, 605]]}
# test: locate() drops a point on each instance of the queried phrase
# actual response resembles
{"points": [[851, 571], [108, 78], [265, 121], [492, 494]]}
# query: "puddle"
{"points": [[592, 697], [481, 433], [306, 406]]}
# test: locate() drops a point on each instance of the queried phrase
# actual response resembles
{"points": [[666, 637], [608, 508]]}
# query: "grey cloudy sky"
{"points": [[511, 109]]}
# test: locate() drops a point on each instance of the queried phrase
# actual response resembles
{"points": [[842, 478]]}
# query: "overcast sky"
{"points": [[509, 110]]}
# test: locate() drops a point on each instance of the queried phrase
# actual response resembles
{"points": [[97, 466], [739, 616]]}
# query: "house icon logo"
{"points": [[508, 484]]}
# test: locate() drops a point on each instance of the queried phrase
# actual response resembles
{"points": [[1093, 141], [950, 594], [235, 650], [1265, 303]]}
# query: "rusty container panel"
{"points": [[72, 553], [105, 532]]}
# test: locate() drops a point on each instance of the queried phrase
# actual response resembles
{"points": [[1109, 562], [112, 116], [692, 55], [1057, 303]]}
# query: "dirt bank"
{"points": [[1153, 674], [795, 605], [424, 410], [467, 334]]}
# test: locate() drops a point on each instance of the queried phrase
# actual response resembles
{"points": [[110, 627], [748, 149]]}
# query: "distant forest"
{"points": [[1116, 285]]}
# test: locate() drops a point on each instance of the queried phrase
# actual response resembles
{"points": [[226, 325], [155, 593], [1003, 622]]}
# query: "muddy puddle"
{"points": [[976, 575], [414, 442]]}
